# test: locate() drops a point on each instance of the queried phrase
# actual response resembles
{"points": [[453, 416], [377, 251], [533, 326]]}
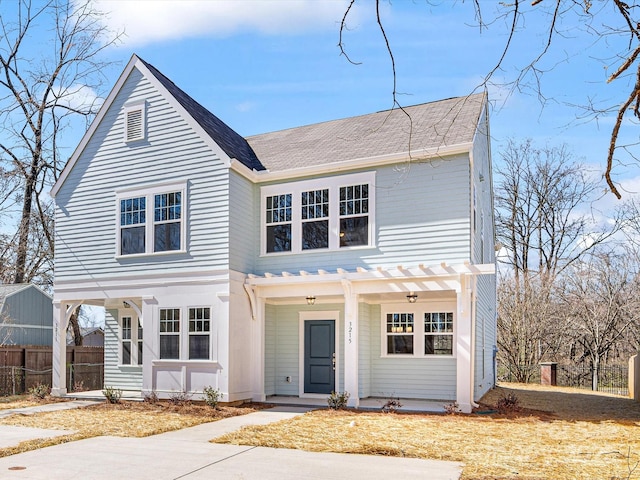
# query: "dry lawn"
{"points": [[560, 433], [127, 419]]}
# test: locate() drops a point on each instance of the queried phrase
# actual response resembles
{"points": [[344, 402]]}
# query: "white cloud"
{"points": [[245, 106], [77, 97], [148, 22]]}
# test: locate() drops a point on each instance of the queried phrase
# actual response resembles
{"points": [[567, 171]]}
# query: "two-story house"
{"points": [[352, 255]]}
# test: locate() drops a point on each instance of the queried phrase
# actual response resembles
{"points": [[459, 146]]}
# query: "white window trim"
{"points": [[188, 333], [418, 310], [135, 322], [132, 107], [331, 183], [149, 193], [183, 336]]}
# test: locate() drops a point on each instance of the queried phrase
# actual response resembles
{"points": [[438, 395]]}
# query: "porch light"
{"points": [[412, 297], [311, 300]]}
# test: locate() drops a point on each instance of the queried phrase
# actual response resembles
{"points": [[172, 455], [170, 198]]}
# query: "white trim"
{"points": [[129, 108], [418, 310], [317, 315], [149, 193], [333, 184]]}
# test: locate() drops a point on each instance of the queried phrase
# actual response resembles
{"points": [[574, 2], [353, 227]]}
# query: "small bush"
{"points": [[212, 396], [113, 395], [39, 391], [338, 400], [392, 405], [79, 386], [508, 404], [180, 398], [150, 397], [452, 408]]}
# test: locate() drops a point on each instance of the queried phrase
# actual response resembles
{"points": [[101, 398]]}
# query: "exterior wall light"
{"points": [[311, 300], [412, 297]]}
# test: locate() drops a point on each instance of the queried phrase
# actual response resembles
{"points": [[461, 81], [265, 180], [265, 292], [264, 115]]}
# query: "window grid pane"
{"points": [[279, 208], [199, 328], [438, 328], [354, 219], [400, 333]]}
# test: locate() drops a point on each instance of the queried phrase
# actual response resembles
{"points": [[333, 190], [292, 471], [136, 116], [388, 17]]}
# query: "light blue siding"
{"points": [[364, 350], [86, 213], [422, 217], [125, 377], [244, 247], [26, 318], [422, 378]]}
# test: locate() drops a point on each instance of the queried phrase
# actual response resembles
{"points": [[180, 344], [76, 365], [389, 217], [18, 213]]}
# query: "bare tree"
{"points": [[600, 298], [40, 97], [593, 19]]}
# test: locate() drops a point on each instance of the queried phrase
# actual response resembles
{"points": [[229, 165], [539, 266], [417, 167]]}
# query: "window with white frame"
{"points": [[278, 221], [130, 340], [400, 333], [170, 333], [420, 330], [151, 220], [125, 334], [322, 214], [199, 333], [135, 122], [438, 333]]}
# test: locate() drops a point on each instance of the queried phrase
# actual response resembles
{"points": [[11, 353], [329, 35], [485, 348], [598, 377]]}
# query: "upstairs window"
{"points": [[151, 221], [278, 220], [132, 225], [135, 119], [315, 219], [324, 214], [354, 215]]}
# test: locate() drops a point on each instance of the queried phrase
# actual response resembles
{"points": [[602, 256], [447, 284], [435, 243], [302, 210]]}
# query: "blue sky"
{"points": [[266, 65]]}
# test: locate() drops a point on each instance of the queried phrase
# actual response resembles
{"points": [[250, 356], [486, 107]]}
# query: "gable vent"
{"points": [[134, 125]]}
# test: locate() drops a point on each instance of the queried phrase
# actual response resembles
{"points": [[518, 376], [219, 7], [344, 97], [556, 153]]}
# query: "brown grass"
{"points": [[559, 433], [127, 419]]}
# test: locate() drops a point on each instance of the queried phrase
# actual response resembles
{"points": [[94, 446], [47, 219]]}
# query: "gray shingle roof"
{"points": [[432, 125], [231, 142]]}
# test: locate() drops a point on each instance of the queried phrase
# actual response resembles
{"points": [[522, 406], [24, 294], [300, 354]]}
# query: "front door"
{"points": [[319, 356]]}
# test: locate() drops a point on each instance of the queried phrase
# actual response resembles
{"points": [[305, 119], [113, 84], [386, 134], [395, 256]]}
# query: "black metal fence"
{"points": [[611, 378], [15, 380]]}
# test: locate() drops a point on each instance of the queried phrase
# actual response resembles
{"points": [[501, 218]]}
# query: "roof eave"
{"points": [[365, 162]]}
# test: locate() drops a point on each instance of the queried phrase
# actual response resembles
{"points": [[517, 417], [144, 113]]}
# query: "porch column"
{"points": [[257, 351], [351, 344], [59, 367], [464, 375], [150, 342]]}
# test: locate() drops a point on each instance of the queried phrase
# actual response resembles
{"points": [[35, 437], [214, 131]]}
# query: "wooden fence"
{"points": [[22, 367]]}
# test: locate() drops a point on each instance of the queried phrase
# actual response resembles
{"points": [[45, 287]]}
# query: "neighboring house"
{"points": [[353, 255], [26, 315], [91, 337]]}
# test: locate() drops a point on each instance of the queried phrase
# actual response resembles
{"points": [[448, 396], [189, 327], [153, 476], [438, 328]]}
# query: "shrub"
{"points": [[392, 405], [508, 403], [113, 395], [39, 391], [338, 400], [212, 396], [180, 398], [452, 408], [150, 397]]}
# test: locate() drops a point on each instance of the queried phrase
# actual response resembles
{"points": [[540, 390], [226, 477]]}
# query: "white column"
{"points": [[464, 375], [257, 351], [351, 344], [150, 343], [59, 372]]}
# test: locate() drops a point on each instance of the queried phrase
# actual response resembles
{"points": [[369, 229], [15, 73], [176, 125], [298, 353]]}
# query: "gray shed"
{"points": [[26, 315]]}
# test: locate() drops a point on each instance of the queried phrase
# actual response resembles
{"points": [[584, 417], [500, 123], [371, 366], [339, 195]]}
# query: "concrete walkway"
{"points": [[188, 454]]}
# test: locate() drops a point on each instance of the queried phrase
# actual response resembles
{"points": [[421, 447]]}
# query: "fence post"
{"points": [[13, 379], [634, 377], [549, 373]]}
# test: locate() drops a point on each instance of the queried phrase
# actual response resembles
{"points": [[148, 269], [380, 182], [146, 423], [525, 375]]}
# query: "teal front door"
{"points": [[319, 356]]}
